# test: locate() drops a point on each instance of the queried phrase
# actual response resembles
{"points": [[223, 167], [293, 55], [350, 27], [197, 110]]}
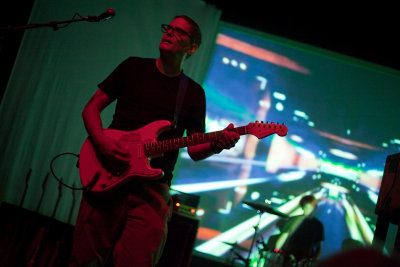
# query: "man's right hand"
{"points": [[115, 152], [112, 150]]}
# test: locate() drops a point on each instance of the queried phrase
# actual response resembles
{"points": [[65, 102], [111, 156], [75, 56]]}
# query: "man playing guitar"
{"points": [[127, 226]]}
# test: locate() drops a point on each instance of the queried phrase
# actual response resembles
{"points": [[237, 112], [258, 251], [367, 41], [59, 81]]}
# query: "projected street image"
{"points": [[341, 117]]}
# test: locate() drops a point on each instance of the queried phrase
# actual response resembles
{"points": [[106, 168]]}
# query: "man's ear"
{"points": [[193, 48]]}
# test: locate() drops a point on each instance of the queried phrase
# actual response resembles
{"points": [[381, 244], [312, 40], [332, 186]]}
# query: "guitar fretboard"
{"points": [[162, 146]]}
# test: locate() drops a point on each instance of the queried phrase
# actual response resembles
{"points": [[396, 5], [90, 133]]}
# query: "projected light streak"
{"points": [[346, 141], [395, 141], [375, 173], [373, 196], [290, 159], [291, 176], [296, 156], [279, 106], [301, 114], [335, 188], [339, 170], [213, 125], [210, 186], [370, 181], [263, 81], [264, 104], [351, 222], [225, 102], [296, 138], [279, 96], [260, 53], [304, 152], [363, 225], [358, 226], [342, 154], [245, 230], [220, 158]]}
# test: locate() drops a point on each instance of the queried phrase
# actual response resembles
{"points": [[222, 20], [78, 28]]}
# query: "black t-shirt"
{"points": [[302, 243], [145, 95]]}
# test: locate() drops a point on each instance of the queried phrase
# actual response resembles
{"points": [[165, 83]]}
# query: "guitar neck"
{"points": [[162, 146]]}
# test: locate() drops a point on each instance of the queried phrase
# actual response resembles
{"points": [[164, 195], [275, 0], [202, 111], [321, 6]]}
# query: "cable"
{"points": [[58, 179]]}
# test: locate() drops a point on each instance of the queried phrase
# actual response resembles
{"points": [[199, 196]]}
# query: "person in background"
{"points": [[302, 236]]}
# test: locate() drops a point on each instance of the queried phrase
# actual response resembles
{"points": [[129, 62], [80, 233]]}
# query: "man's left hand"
{"points": [[226, 140]]}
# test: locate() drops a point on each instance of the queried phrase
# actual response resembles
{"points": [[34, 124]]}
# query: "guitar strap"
{"points": [[181, 95]]}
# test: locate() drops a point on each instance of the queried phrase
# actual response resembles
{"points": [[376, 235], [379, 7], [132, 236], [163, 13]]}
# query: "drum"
{"points": [[271, 258], [278, 258], [304, 263]]}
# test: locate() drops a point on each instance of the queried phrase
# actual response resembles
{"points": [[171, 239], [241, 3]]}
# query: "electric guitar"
{"points": [[100, 176]]}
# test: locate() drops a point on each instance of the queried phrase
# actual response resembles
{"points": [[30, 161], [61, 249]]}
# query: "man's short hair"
{"points": [[308, 199], [195, 29]]}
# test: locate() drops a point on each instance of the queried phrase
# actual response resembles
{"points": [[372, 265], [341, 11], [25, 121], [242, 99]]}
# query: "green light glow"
{"points": [[301, 114], [339, 170], [224, 102], [209, 186], [351, 222]]}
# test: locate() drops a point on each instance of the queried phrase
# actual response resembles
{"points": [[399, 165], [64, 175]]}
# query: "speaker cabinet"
{"points": [[182, 231]]}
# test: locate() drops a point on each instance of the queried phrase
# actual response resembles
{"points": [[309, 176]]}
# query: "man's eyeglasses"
{"points": [[177, 31]]}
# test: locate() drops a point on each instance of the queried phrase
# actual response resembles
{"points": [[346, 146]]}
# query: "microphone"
{"points": [[109, 14]]}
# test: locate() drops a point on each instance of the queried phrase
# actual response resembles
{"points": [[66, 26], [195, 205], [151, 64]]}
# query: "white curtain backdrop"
{"points": [[55, 74]]}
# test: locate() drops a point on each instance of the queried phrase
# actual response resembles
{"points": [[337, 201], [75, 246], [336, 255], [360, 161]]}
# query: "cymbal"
{"points": [[262, 207], [235, 245]]}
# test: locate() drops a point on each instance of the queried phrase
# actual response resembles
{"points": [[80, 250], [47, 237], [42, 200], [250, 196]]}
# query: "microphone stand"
{"points": [[254, 238], [52, 24], [6, 30]]}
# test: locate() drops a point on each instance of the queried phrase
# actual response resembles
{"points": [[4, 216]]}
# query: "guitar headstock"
{"points": [[261, 129]]}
